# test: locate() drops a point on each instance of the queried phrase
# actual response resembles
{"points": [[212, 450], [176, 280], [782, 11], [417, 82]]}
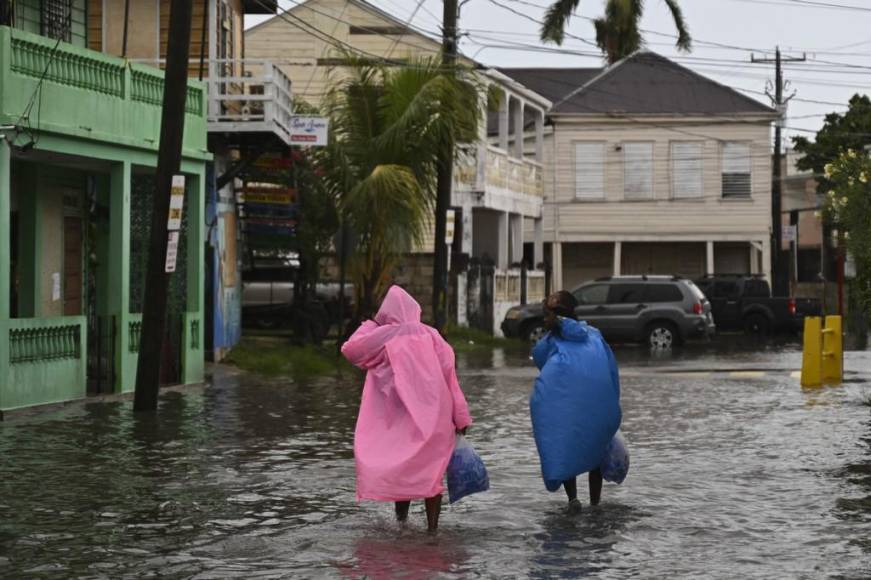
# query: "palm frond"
{"points": [[684, 40], [556, 19]]}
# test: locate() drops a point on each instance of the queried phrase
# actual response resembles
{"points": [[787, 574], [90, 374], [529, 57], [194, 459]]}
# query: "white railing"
{"points": [[519, 175], [245, 96], [535, 286], [506, 286], [249, 96]]}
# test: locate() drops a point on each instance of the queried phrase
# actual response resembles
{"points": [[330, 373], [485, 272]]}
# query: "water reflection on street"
{"points": [[736, 472]]}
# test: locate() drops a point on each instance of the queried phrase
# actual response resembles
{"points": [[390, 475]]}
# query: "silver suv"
{"points": [[662, 311]]}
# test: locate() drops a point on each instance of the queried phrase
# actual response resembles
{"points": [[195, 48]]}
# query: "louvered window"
{"points": [[57, 18], [686, 170], [736, 170], [638, 170], [589, 170]]}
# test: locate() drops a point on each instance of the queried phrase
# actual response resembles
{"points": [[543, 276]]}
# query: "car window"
{"points": [[595, 294], [725, 289], [663, 293], [698, 294], [626, 293]]}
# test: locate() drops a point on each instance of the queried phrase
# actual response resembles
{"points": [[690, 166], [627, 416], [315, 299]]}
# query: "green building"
{"points": [[79, 133]]}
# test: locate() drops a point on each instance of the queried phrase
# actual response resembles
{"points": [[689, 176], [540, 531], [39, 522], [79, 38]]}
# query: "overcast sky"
{"points": [[835, 31]]}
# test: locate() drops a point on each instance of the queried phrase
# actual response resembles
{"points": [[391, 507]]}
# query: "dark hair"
{"points": [[562, 303]]}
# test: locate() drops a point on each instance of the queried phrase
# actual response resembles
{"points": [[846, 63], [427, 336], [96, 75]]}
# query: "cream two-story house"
{"points": [[651, 168], [498, 181]]}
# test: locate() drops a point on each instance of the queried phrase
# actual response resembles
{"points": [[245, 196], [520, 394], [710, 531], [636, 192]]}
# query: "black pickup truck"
{"points": [[745, 303]]}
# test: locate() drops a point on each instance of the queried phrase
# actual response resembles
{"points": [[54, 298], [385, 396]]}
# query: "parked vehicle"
{"points": [[744, 302], [662, 311], [268, 296]]}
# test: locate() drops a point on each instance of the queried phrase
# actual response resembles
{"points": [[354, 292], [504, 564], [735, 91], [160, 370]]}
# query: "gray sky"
{"points": [[835, 31]]}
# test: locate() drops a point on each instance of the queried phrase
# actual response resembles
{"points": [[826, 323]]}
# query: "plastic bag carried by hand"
{"points": [[466, 471], [615, 465]]}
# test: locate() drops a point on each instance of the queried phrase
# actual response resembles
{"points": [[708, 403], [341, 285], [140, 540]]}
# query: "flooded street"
{"points": [[736, 473]]}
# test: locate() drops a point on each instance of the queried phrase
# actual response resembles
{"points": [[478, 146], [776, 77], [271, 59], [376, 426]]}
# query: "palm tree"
{"points": [[617, 33], [387, 127]]}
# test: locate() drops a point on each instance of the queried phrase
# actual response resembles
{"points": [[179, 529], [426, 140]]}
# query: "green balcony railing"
{"points": [[90, 95], [45, 344], [31, 56]]}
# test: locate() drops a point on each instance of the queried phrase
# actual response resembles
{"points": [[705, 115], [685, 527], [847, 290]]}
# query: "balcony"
{"points": [[249, 96], [90, 95], [498, 172], [245, 96]]}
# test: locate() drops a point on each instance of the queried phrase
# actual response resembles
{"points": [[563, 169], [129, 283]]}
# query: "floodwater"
{"points": [[736, 473]]}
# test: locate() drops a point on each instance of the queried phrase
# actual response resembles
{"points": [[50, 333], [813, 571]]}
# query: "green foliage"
{"points": [[841, 132], [847, 207], [618, 32], [278, 358], [388, 128]]}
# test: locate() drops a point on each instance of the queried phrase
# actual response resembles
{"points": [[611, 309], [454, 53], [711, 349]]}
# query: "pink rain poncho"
{"points": [[412, 403]]}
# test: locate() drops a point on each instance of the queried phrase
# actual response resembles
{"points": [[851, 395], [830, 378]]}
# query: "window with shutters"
{"points": [[686, 170], [638, 170], [590, 170], [736, 170]]}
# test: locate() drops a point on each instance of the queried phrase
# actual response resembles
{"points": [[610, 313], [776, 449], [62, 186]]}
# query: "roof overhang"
{"points": [[260, 6]]}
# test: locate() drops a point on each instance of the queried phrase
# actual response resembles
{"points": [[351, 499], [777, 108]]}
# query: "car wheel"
{"points": [[662, 336], [535, 331], [757, 324]]}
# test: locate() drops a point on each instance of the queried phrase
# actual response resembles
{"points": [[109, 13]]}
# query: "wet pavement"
{"points": [[736, 473]]}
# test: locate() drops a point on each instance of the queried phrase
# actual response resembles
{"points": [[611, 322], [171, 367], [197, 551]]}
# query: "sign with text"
{"points": [[790, 234], [176, 203], [309, 130], [171, 252], [274, 195]]}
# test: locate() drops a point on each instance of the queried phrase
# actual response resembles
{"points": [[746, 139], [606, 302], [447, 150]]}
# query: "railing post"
{"points": [[269, 91]]}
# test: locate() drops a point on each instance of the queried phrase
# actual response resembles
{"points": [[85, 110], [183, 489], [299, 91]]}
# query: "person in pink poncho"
{"points": [[411, 409]]}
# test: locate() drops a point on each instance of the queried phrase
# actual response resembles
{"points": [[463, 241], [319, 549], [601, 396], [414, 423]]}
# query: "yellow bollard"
{"points": [[833, 351], [812, 353]]}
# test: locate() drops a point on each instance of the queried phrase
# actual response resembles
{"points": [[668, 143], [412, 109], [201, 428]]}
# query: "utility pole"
{"points": [[444, 179], [777, 279], [168, 164]]}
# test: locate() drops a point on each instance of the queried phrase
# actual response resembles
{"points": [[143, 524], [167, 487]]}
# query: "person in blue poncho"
{"points": [[575, 406]]}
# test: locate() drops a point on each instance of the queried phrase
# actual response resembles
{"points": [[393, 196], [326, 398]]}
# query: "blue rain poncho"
{"points": [[575, 406]]}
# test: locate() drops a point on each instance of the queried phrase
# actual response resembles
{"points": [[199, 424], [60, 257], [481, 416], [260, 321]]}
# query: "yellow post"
{"points": [[833, 351], [812, 353]]}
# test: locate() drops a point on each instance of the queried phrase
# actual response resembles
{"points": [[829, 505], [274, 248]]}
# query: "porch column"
{"points": [[5, 227], [618, 258], [538, 243], [710, 257], [519, 132], [193, 351], [557, 266], [120, 176], [502, 237], [504, 110], [483, 142], [766, 259], [539, 136], [516, 224]]}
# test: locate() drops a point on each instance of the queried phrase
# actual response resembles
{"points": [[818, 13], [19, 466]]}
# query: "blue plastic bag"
{"points": [[466, 471], [615, 465]]}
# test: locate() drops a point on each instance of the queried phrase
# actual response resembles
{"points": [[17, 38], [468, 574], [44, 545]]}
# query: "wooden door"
{"points": [[73, 284]]}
